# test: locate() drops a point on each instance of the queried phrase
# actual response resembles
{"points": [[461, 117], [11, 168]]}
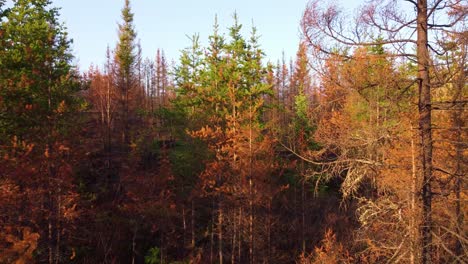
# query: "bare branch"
{"points": [[457, 235], [412, 2], [362, 161], [442, 244], [434, 8]]}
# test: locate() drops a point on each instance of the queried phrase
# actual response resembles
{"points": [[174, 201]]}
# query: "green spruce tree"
{"points": [[126, 58], [37, 78]]}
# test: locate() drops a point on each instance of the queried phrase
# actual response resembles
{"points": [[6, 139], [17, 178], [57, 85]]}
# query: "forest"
{"points": [[353, 151]]}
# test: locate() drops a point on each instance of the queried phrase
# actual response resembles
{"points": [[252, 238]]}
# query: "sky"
{"points": [[167, 24]]}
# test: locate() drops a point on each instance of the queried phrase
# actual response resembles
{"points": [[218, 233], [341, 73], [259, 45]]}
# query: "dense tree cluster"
{"points": [[353, 152]]}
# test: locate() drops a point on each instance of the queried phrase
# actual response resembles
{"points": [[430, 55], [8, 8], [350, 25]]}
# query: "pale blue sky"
{"points": [[165, 24]]}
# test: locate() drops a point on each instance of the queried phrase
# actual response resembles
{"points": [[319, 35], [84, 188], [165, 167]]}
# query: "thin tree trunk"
{"points": [[57, 226], [425, 130], [303, 218], [123, 118], [50, 247], [251, 239], [134, 245], [295, 240], [413, 194], [459, 173], [220, 233], [212, 229], [269, 231], [152, 87], [251, 193], [239, 247], [164, 78], [192, 245], [51, 203], [184, 226], [127, 127], [50, 220], [50, 175], [108, 124], [460, 220], [233, 251]]}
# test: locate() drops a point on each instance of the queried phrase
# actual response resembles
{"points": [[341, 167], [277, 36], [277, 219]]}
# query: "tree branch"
{"points": [[368, 162]]}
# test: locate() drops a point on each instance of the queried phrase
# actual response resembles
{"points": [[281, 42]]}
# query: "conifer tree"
{"points": [[224, 90], [126, 59], [36, 72], [37, 102]]}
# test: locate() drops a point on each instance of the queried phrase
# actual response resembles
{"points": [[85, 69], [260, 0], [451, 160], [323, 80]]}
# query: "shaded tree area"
{"points": [[352, 152]]}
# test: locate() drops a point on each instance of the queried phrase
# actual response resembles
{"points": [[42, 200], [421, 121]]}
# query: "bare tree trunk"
{"points": [[233, 251], [52, 227], [184, 226], [303, 217], [51, 203], [50, 231], [425, 130], [57, 225], [220, 233], [192, 245], [239, 247], [269, 231], [108, 124], [134, 245], [158, 77], [212, 229], [152, 87], [164, 78], [251, 237], [413, 194], [458, 188], [139, 88], [459, 172]]}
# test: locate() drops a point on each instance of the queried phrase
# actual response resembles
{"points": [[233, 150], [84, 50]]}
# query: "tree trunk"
{"points": [[251, 241], [239, 247], [57, 225], [233, 251], [108, 116], [184, 226], [220, 233], [251, 191], [50, 246], [459, 172], [269, 231], [458, 188], [212, 229], [425, 130], [413, 194], [126, 119], [52, 213], [134, 245], [192, 244], [303, 217]]}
